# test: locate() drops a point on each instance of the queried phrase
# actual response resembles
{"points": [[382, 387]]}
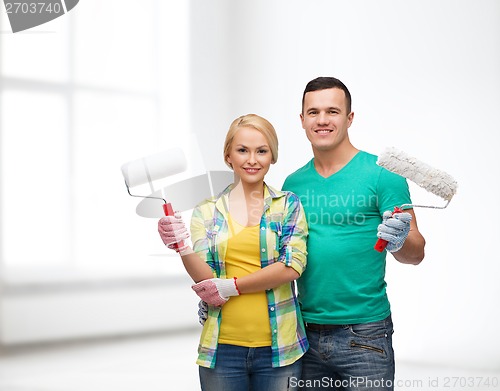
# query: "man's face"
{"points": [[325, 118]]}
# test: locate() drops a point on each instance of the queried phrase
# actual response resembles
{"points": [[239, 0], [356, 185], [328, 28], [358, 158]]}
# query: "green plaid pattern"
{"points": [[283, 238]]}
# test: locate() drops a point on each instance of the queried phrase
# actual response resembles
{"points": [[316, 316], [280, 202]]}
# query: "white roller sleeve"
{"points": [[431, 179], [153, 167]]}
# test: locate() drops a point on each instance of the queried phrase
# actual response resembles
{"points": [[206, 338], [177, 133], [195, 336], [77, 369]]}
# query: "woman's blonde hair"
{"points": [[258, 123]]}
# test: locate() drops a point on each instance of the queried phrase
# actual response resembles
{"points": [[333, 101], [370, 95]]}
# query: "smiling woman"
{"points": [[249, 245]]}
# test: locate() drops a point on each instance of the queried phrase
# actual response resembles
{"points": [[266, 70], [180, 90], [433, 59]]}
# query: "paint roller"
{"points": [[151, 168], [431, 179]]}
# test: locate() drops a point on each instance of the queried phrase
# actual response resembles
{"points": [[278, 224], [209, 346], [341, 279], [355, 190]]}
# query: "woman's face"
{"points": [[250, 155]]}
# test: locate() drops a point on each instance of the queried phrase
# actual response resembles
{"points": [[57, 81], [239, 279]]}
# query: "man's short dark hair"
{"points": [[324, 83]]}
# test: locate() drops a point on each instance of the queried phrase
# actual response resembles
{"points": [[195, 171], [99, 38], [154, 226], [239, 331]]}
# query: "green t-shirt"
{"points": [[344, 279]]}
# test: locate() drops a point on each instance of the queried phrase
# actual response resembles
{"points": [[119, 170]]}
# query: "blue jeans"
{"points": [[238, 368], [350, 357]]}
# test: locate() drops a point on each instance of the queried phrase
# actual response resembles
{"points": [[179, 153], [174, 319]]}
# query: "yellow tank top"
{"points": [[245, 320]]}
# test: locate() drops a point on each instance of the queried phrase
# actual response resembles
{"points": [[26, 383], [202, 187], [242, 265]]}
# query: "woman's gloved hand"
{"points": [[216, 291], [173, 232], [394, 229]]}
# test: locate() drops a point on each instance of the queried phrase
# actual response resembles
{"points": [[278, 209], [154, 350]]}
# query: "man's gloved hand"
{"points": [[173, 232], [394, 228], [202, 312], [216, 291]]}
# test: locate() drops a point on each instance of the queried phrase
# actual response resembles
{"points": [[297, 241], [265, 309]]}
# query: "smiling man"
{"points": [[347, 199]]}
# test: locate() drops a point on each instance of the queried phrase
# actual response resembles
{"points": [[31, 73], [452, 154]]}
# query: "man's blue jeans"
{"points": [[350, 357], [247, 369]]}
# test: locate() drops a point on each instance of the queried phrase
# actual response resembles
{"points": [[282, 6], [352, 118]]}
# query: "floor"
{"points": [[167, 362], [144, 364]]}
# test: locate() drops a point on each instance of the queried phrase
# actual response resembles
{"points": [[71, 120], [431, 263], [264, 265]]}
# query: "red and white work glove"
{"points": [[173, 232], [216, 291]]}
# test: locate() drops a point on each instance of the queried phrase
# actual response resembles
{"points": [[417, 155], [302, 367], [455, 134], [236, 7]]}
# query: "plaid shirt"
{"points": [[283, 236]]}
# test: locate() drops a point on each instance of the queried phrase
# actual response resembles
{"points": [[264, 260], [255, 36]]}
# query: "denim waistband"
{"points": [[321, 327]]}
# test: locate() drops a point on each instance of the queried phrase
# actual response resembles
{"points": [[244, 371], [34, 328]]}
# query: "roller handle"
{"points": [[381, 243], [167, 208], [169, 211]]}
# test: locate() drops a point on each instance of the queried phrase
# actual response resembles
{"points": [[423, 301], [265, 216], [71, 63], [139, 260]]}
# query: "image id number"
{"points": [[33, 8], [470, 382]]}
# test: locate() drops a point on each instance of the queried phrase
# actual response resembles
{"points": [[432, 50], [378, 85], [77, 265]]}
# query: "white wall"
{"points": [[80, 96], [84, 307], [425, 77]]}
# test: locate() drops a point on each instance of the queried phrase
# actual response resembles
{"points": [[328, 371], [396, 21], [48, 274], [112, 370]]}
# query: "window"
{"points": [[79, 96]]}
